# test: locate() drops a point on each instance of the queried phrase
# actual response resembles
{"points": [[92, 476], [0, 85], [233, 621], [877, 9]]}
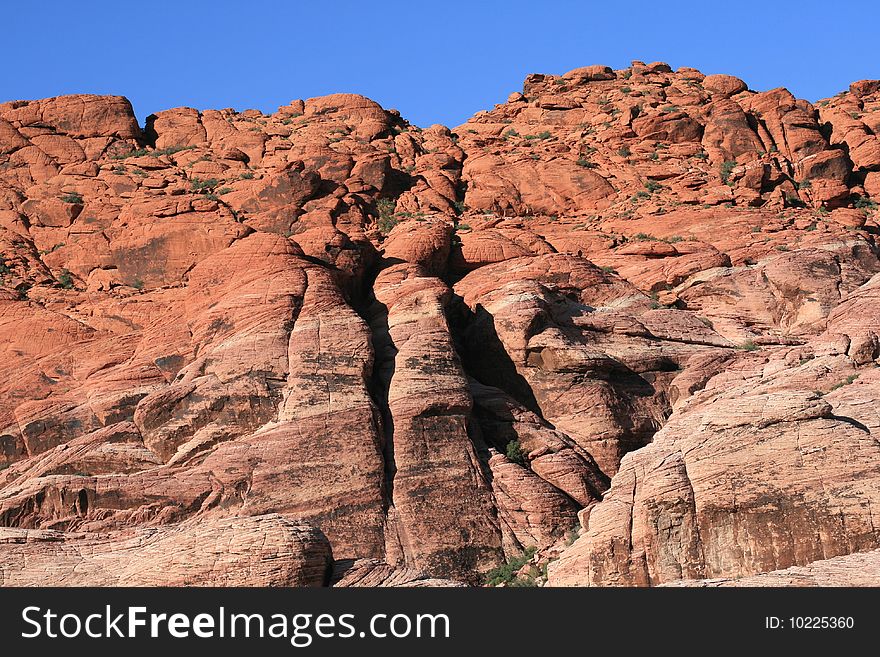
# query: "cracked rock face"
{"points": [[264, 550], [626, 320]]}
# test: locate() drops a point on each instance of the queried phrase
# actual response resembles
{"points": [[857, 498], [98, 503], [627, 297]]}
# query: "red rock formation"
{"points": [[639, 302]]}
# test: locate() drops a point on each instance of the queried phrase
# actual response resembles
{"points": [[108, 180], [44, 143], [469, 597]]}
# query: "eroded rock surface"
{"points": [[627, 319], [249, 551]]}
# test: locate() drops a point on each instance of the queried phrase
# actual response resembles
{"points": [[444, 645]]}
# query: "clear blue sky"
{"points": [[437, 62]]}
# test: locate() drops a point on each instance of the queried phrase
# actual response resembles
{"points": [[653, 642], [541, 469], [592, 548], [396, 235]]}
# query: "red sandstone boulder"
{"points": [[78, 116]]}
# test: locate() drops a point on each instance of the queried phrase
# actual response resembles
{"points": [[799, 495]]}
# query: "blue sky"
{"points": [[437, 62]]}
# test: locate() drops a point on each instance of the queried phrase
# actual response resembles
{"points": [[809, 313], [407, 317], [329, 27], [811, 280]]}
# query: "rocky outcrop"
{"points": [[253, 551], [765, 468], [364, 573], [625, 321], [858, 569]]}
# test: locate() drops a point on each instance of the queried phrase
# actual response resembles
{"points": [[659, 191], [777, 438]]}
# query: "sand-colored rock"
{"points": [[857, 569], [265, 550]]}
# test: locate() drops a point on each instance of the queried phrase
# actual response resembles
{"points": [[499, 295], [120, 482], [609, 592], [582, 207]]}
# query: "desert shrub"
{"points": [[726, 169], [141, 152], [65, 279], [387, 220], [72, 197], [199, 185], [507, 573], [515, 452], [847, 381]]}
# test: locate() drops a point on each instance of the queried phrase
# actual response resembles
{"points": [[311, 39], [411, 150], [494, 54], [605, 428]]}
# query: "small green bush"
{"points": [[847, 381], [507, 573], [387, 220], [515, 452], [727, 169], [72, 197], [199, 185], [171, 150], [624, 151], [141, 152], [864, 203], [748, 345], [65, 279], [387, 224]]}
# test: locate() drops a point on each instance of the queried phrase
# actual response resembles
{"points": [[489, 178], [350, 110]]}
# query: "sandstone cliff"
{"points": [[625, 322]]}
